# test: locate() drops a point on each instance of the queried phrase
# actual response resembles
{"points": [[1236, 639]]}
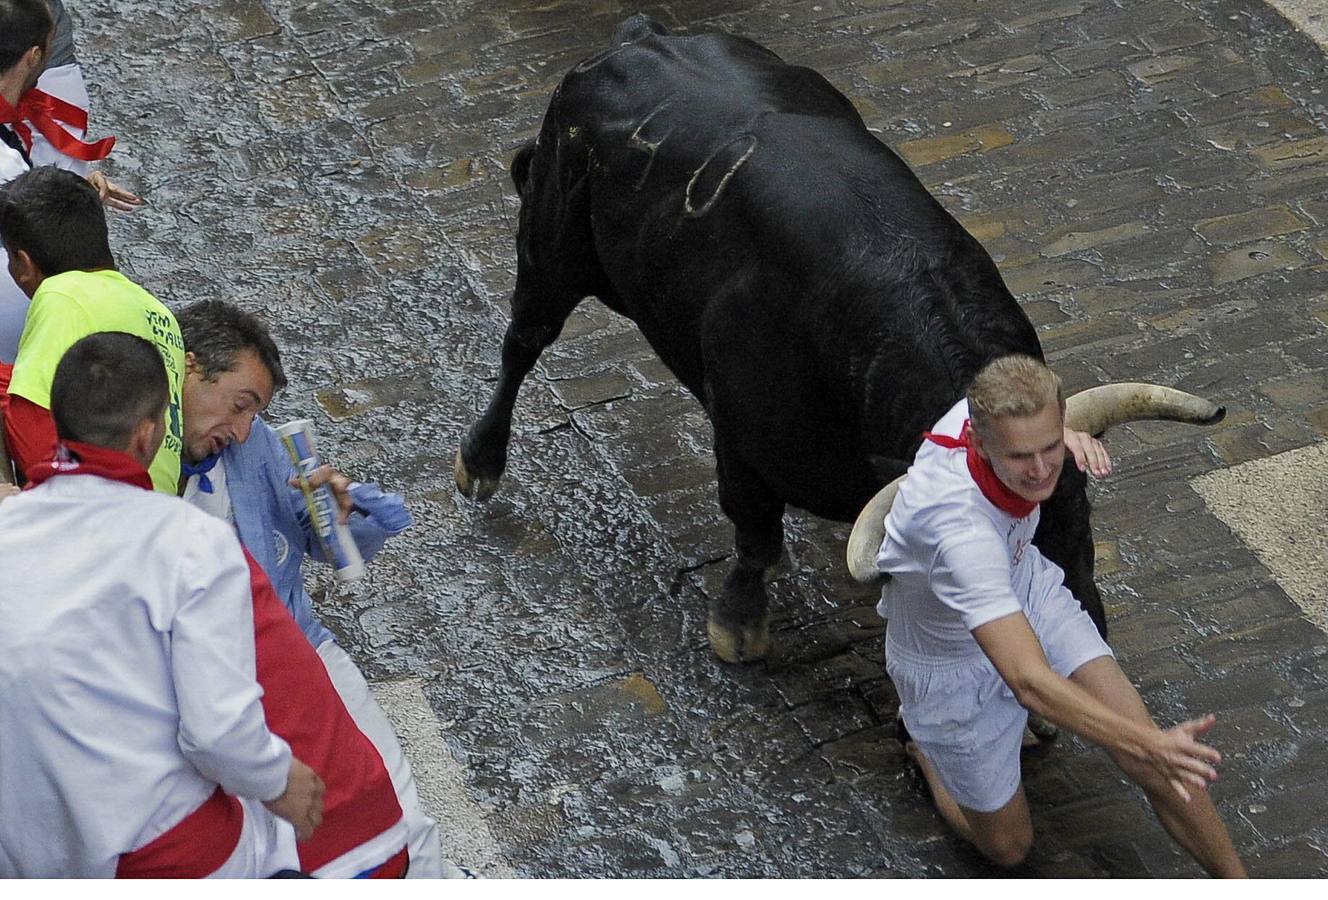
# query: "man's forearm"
{"points": [[1014, 650], [1065, 703]]}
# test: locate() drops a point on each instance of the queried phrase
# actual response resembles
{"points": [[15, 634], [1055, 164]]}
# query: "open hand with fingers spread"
{"points": [[1182, 759]]}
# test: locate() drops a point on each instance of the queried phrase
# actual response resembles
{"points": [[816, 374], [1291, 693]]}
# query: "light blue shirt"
{"points": [[274, 524]]}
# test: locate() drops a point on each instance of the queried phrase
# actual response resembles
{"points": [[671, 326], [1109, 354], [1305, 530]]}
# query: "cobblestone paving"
{"points": [[1152, 178]]}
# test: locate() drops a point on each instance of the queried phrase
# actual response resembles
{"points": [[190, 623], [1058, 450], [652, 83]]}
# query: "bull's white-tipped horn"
{"points": [[1097, 409], [868, 533]]}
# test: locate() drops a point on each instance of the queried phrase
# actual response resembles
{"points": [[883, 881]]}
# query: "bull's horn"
{"points": [[1097, 409], [868, 533]]}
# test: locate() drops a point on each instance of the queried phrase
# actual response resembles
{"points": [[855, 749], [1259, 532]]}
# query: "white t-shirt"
{"points": [[216, 504], [955, 559], [65, 82], [127, 674]]}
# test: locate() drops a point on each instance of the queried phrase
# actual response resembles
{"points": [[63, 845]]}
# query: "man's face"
{"points": [[1026, 452], [219, 412]]}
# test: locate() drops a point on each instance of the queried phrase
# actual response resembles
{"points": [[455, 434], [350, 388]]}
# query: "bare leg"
{"points": [[1194, 825], [1004, 836]]}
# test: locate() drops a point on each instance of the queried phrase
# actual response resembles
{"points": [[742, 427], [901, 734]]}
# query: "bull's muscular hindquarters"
{"points": [[784, 264]]}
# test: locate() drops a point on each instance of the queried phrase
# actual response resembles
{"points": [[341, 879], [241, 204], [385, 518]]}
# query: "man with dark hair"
{"points": [[26, 30], [26, 33], [53, 222], [130, 714], [89, 401], [236, 468], [59, 254], [43, 119], [982, 630], [55, 116]]}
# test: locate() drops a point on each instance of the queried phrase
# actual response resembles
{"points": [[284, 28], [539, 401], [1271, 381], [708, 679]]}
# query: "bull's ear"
{"points": [[520, 168]]}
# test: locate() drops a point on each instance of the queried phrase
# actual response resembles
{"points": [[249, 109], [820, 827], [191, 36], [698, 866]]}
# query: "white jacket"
{"points": [[127, 679]]}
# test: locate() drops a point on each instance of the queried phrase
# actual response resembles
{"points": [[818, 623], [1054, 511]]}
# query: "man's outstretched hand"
{"points": [[1185, 762], [112, 194]]}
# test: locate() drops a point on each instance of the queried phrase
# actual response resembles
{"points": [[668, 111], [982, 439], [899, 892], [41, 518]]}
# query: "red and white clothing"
{"points": [[362, 827], [127, 680], [69, 96], [64, 84], [250, 490], [958, 559]]}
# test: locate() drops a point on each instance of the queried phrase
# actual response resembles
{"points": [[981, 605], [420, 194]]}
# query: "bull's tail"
{"points": [[639, 26]]}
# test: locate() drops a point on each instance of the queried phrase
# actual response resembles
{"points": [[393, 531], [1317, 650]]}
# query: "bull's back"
{"points": [[775, 254], [709, 163]]}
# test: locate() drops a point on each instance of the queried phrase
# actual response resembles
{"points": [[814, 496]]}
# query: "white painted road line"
{"points": [[1309, 16], [1276, 506], [441, 781]]}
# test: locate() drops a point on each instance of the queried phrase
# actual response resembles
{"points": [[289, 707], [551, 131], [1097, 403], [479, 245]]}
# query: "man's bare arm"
{"points": [[1176, 754]]}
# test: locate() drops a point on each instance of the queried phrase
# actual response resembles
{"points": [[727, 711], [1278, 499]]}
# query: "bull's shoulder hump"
{"points": [[712, 72]]}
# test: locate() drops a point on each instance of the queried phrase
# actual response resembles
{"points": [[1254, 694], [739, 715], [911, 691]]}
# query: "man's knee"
{"points": [[1008, 848], [1005, 837]]}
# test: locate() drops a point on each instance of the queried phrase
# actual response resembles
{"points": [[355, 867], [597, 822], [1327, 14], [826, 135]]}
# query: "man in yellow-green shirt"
{"points": [[54, 229]]}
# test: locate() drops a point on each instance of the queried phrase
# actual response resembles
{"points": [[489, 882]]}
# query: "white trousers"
{"points": [[426, 855], [267, 845]]}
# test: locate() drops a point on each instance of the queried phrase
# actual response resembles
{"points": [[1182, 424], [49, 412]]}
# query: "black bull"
{"points": [[787, 267]]}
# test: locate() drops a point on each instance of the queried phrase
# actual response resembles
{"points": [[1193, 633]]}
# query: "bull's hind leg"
{"points": [[536, 323], [739, 621]]}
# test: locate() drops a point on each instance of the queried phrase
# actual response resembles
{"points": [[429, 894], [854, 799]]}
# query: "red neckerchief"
{"points": [[984, 475], [46, 112], [76, 458]]}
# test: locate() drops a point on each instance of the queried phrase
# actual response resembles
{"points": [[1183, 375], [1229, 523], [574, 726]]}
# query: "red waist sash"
{"points": [[198, 845]]}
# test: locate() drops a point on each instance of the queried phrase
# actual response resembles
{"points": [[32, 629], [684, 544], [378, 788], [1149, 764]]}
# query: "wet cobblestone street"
{"points": [[1151, 176]]}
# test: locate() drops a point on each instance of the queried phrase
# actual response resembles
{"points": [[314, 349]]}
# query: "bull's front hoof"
{"points": [[476, 487], [739, 644]]}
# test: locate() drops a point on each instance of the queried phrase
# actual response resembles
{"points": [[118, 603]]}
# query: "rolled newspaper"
{"points": [[338, 543]]}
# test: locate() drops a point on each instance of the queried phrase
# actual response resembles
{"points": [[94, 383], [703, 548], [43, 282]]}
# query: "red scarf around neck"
{"points": [[77, 458], [46, 112], [983, 474]]}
